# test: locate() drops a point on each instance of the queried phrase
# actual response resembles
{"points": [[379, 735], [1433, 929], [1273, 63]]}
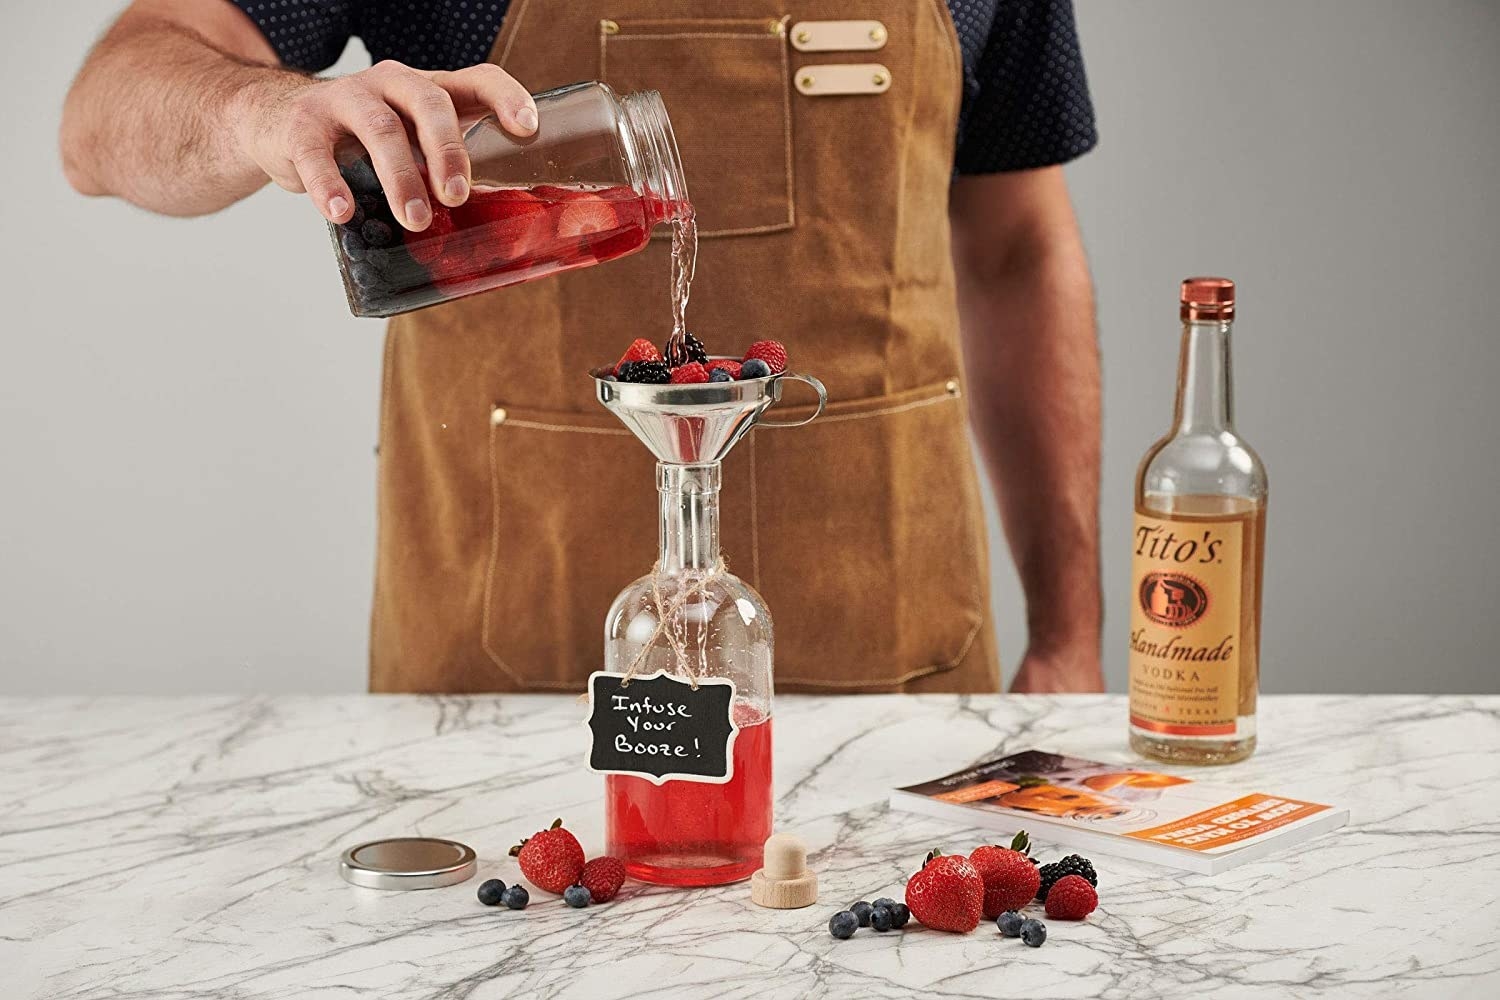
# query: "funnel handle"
{"points": [[822, 402]]}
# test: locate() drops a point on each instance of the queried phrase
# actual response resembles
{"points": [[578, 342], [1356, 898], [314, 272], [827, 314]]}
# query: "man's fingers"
{"points": [[383, 134], [312, 158], [490, 88], [430, 111]]}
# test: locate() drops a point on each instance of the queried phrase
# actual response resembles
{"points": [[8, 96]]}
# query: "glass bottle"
{"points": [[686, 832], [1197, 554], [598, 175]]}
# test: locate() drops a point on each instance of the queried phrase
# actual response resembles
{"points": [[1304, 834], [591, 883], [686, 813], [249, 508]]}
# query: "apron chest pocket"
{"points": [[726, 86]]}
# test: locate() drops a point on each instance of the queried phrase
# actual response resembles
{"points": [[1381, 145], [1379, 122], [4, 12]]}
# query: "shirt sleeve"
{"points": [[1031, 105], [308, 35]]}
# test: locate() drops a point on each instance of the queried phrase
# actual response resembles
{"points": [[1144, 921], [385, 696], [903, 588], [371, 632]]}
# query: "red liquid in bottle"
{"points": [[691, 833]]}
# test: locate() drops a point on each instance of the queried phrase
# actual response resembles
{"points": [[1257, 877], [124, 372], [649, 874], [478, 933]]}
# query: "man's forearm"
{"points": [[1033, 377], [151, 118]]}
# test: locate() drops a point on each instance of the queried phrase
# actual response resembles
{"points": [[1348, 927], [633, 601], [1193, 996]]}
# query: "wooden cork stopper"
{"points": [[784, 883]]}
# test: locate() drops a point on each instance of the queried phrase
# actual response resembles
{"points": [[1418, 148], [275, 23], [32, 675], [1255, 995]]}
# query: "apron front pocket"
{"points": [[871, 554], [726, 87], [573, 521]]}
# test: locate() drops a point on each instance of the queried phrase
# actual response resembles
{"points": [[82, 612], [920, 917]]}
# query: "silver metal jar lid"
{"points": [[408, 863]]}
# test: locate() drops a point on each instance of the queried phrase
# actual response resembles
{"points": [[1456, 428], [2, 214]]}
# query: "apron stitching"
{"points": [[775, 227], [759, 35], [382, 443], [886, 411], [514, 29], [786, 118], [537, 425], [493, 567]]}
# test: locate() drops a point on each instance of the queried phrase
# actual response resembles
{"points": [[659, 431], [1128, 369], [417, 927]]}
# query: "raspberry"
{"points": [[732, 367], [689, 374], [602, 877], [640, 350], [1072, 898], [769, 351]]}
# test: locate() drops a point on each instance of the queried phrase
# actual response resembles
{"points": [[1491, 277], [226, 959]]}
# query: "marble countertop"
{"points": [[187, 847]]}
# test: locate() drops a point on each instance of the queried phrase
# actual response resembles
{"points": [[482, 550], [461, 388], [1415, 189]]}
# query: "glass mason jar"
{"points": [[685, 832], [598, 175]]}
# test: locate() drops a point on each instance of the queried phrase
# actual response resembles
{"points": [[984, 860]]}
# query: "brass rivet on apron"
{"points": [[877, 34], [498, 414], [804, 36], [878, 79], [952, 387], [779, 28], [609, 27], [807, 81]]}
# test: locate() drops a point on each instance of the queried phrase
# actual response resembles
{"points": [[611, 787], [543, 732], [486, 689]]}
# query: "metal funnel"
{"points": [[698, 424]]}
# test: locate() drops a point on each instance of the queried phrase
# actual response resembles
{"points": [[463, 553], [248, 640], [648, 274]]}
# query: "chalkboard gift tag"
{"points": [[659, 727]]}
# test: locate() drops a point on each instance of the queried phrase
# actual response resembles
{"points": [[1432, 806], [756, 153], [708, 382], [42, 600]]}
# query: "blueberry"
{"points": [[885, 901], [1010, 923], [720, 375], [358, 218], [754, 368], [374, 206], [516, 897], [861, 910], [361, 178], [491, 891], [843, 924], [577, 896], [379, 234], [902, 914], [882, 918], [364, 275], [1033, 932], [354, 244]]}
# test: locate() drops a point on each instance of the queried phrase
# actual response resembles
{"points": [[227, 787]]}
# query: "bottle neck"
{"points": [[651, 152], [689, 516], [1204, 385]]}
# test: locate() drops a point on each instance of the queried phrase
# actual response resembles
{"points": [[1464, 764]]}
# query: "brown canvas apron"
{"points": [[513, 507]]}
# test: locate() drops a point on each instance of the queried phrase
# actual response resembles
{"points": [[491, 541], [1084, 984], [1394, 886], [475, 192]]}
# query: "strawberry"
{"points": [[585, 217], [640, 349], [947, 894], [427, 246], [689, 374], [1010, 877], [1072, 898], [551, 859], [771, 352], [732, 367], [602, 877]]}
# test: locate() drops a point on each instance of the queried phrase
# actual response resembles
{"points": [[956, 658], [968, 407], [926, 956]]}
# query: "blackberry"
{"points": [[1073, 864], [691, 349], [647, 372]]}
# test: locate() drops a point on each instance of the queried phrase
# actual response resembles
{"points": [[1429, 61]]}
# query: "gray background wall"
{"points": [[187, 412]]}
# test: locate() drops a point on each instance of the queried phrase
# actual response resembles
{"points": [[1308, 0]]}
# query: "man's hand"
{"points": [[1032, 361], [292, 131], [182, 109]]}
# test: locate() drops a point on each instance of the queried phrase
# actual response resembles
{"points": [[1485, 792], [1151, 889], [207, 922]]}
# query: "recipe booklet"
{"points": [[1126, 811]]}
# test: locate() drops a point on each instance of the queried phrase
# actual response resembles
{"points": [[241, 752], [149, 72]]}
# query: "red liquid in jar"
{"points": [[692, 833], [503, 237]]}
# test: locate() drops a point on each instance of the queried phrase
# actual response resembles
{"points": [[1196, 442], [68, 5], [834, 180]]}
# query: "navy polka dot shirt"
{"points": [[1026, 102]]}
